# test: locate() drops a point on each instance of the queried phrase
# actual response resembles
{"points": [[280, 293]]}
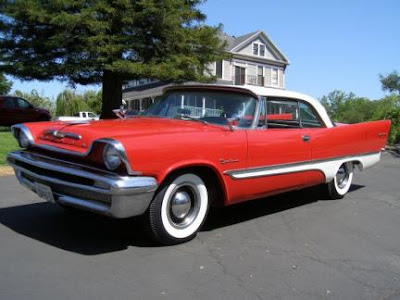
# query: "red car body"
{"points": [[14, 110], [185, 160]]}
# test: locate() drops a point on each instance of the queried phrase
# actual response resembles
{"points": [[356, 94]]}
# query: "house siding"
{"points": [[248, 49], [281, 79], [226, 67], [267, 76]]}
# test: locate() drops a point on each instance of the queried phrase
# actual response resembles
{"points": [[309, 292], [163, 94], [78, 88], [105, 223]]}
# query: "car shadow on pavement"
{"points": [[89, 234], [227, 216]]}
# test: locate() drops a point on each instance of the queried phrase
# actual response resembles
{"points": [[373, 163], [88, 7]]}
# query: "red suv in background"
{"points": [[14, 110]]}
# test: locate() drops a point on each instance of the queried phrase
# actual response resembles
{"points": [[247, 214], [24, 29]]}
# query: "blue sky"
{"points": [[331, 45]]}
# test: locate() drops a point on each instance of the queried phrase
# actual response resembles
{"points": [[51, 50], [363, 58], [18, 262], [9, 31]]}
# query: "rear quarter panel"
{"points": [[360, 138]]}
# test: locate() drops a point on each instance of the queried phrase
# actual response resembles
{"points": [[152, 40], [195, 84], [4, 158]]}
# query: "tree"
{"points": [[106, 42], [334, 103], [93, 100], [68, 103], [5, 85], [391, 82], [389, 108]]}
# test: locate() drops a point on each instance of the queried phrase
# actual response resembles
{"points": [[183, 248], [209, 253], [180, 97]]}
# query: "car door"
{"points": [[6, 111], [28, 113], [279, 149]]}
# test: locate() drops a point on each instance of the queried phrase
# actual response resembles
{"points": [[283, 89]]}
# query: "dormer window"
{"points": [[259, 49], [262, 50], [255, 49]]}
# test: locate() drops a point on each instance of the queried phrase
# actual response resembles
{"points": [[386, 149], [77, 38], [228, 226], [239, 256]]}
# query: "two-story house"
{"points": [[255, 60]]}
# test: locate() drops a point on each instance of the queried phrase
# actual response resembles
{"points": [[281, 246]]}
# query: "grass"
{"points": [[7, 144]]}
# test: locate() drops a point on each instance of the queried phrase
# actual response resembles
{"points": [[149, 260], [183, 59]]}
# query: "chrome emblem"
{"points": [[61, 134], [223, 161]]}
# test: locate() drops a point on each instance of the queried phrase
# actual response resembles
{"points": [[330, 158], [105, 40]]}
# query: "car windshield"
{"points": [[213, 107]]}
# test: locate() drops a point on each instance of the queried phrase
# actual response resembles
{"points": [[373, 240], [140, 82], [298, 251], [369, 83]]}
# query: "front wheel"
{"points": [[341, 183], [179, 209]]}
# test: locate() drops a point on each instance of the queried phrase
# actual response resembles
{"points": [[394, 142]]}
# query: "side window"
{"points": [[9, 103], [21, 103], [91, 115], [282, 114], [308, 116]]}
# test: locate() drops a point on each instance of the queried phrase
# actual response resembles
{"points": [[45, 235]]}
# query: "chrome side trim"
{"points": [[118, 145], [293, 167]]}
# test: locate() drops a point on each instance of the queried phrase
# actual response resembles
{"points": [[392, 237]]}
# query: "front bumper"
{"points": [[84, 187]]}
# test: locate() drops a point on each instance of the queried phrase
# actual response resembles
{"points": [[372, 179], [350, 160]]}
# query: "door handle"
{"points": [[305, 138]]}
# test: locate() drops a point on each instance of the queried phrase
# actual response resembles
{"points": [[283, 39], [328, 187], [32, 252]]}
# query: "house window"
{"points": [[255, 49], [218, 69], [262, 50], [274, 77], [259, 49], [260, 76]]}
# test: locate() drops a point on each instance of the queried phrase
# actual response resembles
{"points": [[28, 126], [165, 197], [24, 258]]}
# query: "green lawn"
{"points": [[7, 144]]}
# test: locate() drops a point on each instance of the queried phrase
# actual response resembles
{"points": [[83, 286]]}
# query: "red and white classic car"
{"points": [[197, 146]]}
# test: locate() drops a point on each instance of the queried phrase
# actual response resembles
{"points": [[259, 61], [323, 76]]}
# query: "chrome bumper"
{"points": [[84, 187]]}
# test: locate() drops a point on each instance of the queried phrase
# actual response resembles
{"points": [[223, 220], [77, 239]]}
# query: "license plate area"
{"points": [[44, 192]]}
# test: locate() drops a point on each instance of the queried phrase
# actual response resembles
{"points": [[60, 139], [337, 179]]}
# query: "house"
{"points": [[255, 60]]}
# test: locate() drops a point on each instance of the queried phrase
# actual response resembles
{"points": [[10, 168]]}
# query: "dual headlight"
{"points": [[112, 158]]}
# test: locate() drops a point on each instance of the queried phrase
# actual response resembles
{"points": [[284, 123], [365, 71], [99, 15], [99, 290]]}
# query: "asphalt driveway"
{"points": [[294, 246]]}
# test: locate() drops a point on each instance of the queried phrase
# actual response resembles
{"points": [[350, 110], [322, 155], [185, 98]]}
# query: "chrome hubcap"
{"points": [[342, 176], [180, 204], [183, 206]]}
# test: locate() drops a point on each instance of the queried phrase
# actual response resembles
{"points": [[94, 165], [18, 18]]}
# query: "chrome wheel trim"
{"points": [[342, 176], [184, 227], [183, 205]]}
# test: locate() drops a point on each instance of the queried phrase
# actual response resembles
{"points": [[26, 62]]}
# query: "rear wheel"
{"points": [[179, 209], [341, 183]]}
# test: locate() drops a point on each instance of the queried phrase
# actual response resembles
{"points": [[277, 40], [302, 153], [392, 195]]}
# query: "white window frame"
{"points": [[258, 49], [258, 45]]}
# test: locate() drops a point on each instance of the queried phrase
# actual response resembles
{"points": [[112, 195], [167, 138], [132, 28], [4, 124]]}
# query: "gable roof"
{"points": [[235, 43]]}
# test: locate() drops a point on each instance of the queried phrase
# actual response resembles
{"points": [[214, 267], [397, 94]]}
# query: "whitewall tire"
{"points": [[179, 209], [341, 183]]}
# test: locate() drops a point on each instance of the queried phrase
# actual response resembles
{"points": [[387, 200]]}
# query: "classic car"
{"points": [[197, 146]]}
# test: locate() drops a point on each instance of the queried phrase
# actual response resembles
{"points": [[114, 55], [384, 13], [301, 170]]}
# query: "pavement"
{"points": [[293, 246]]}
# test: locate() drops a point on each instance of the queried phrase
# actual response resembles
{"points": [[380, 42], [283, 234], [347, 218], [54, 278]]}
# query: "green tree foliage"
{"points": [[36, 99], [5, 85], [68, 102], [93, 100], [347, 108], [391, 82], [106, 42], [389, 108]]}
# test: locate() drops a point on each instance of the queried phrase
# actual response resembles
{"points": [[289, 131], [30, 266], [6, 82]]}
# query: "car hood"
{"points": [[78, 136]]}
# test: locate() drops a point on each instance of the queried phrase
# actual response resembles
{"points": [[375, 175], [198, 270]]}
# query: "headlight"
{"points": [[112, 159], [23, 139]]}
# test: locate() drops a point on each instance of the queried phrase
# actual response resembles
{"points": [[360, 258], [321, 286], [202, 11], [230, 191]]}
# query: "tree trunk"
{"points": [[112, 94]]}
